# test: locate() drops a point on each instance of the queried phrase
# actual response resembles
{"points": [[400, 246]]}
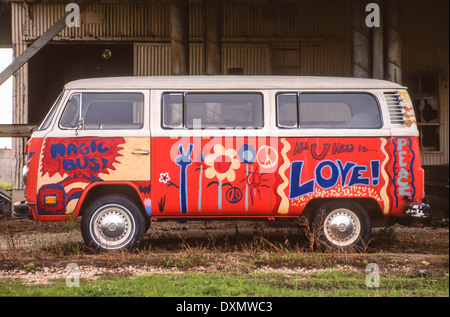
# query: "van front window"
{"points": [[49, 118], [104, 111]]}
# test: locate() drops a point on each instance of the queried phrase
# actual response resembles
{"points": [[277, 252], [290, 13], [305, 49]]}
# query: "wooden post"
{"points": [[361, 41], [394, 45], [213, 36], [179, 37]]}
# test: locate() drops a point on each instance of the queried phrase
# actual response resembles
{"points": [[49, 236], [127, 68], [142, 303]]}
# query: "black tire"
{"points": [[112, 222], [342, 225]]}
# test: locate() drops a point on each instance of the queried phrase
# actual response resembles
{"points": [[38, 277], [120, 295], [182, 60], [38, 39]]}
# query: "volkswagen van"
{"points": [[122, 152]]}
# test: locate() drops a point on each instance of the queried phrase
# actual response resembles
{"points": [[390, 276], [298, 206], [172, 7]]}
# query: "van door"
{"points": [[101, 136], [207, 160]]}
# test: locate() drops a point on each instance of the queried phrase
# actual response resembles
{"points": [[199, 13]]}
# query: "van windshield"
{"points": [[49, 118]]}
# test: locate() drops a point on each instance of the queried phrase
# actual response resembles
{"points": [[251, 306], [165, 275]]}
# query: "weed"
{"points": [[31, 267], [385, 236]]}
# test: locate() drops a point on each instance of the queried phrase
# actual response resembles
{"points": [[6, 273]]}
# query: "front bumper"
{"points": [[418, 210]]}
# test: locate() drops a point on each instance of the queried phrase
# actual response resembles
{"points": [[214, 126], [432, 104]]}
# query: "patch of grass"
{"points": [[5, 185], [329, 283]]}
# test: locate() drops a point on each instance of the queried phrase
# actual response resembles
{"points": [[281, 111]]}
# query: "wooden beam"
{"points": [[16, 130], [37, 45]]}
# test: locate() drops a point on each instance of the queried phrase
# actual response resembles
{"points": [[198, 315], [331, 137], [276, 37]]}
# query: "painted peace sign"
{"points": [[267, 156], [234, 195]]}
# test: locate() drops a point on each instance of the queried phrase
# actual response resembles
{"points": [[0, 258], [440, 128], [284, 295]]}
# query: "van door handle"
{"points": [[140, 152]]}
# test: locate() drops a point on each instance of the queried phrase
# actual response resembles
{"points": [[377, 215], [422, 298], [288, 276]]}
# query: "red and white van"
{"points": [[122, 152]]}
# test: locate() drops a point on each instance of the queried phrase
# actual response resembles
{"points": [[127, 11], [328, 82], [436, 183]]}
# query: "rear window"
{"points": [[104, 111], [212, 110], [328, 110]]}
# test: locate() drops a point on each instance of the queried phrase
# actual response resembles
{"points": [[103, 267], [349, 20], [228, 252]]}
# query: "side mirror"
{"points": [[80, 125]]}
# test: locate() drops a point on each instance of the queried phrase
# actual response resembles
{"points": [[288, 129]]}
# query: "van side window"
{"points": [[212, 110], [328, 111], [104, 111]]}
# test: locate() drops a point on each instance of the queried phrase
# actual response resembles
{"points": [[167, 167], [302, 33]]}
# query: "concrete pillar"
{"points": [[212, 10], [378, 47], [360, 41], [393, 42], [179, 37]]}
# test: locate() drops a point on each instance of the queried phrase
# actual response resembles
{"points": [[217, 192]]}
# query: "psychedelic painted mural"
{"points": [[256, 178], [229, 176], [69, 165], [210, 177]]}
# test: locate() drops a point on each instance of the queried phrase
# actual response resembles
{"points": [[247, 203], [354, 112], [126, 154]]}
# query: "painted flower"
{"points": [[164, 178], [221, 163], [247, 154]]}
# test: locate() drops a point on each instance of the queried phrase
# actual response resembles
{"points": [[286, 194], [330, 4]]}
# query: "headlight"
{"points": [[25, 174]]}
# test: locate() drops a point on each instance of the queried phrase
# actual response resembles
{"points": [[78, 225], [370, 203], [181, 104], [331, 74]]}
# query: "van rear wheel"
{"points": [[112, 222], [342, 225]]}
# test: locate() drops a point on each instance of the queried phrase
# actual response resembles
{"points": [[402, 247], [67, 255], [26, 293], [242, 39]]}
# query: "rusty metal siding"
{"points": [[196, 20], [246, 19], [152, 59], [254, 59], [114, 21], [196, 59]]}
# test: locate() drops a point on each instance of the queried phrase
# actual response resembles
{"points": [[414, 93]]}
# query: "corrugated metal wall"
{"points": [[151, 59], [250, 30], [259, 36], [116, 21]]}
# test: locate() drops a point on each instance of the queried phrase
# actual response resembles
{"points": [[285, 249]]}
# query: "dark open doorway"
{"points": [[56, 64]]}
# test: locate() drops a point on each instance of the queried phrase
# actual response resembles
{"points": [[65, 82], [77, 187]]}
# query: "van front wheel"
{"points": [[342, 225], [112, 222]]}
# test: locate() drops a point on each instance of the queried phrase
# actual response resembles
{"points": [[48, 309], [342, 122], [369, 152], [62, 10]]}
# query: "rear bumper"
{"points": [[418, 210]]}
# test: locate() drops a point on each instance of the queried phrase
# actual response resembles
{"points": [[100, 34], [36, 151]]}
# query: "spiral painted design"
{"points": [[283, 208], [383, 191]]}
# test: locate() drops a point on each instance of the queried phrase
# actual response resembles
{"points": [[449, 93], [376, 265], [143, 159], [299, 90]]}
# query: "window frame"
{"points": [[184, 94], [300, 127], [421, 96], [81, 93]]}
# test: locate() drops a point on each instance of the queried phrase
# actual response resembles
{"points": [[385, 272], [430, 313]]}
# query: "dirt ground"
{"points": [[39, 251]]}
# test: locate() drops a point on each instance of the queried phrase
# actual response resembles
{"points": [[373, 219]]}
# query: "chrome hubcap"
{"points": [[342, 227], [112, 226]]}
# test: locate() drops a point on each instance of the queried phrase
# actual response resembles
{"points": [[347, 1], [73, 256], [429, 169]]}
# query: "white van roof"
{"points": [[231, 82]]}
